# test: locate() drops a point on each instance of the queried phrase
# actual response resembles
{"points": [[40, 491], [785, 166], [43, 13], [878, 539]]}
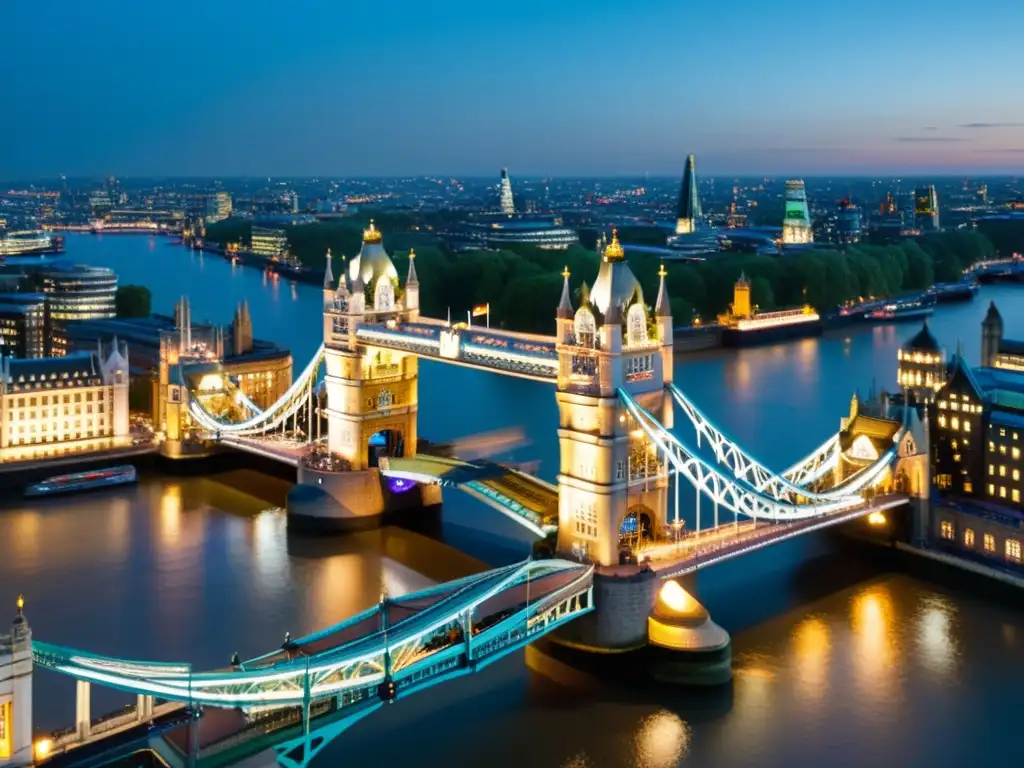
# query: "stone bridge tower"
{"points": [[16, 692], [611, 484], [370, 391]]}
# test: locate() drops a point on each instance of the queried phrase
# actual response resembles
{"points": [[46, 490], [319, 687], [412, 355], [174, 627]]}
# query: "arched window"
{"points": [[636, 325], [384, 295], [585, 327]]}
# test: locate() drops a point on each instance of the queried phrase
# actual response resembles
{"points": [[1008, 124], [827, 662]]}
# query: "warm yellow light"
{"points": [[42, 748], [677, 598], [876, 518], [211, 382], [20, 603]]}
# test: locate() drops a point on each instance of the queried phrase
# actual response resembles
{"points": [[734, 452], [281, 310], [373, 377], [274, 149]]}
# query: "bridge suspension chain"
{"points": [[286, 406], [736, 494], [792, 484]]}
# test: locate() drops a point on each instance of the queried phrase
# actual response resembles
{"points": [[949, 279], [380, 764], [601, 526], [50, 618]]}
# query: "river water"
{"points": [[838, 662]]}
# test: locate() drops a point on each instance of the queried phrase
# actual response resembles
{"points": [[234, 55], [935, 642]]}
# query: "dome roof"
{"points": [[615, 282], [372, 261], [924, 341]]}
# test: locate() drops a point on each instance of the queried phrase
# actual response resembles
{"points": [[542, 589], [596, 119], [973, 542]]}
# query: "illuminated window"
{"points": [[967, 426], [1013, 550], [991, 445], [942, 420], [947, 530], [1002, 449], [1002, 470], [968, 486], [1016, 474], [991, 489], [1015, 452], [954, 406], [1002, 431], [954, 423], [1002, 491], [956, 457], [990, 542], [969, 538], [1015, 495]]}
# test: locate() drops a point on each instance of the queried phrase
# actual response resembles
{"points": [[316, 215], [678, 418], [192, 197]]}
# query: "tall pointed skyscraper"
{"points": [[796, 225], [505, 201], [688, 217]]}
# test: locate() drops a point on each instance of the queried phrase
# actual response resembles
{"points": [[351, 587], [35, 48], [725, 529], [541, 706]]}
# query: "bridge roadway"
{"points": [[528, 500], [396, 648], [715, 545]]}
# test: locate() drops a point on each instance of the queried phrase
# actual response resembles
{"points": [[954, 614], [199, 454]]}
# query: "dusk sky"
{"points": [[581, 87]]}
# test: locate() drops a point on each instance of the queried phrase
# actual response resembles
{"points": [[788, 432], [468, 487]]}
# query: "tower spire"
{"points": [[662, 307], [328, 274], [412, 278], [565, 305]]}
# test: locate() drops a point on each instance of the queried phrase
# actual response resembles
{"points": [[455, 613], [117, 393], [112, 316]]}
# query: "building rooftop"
{"points": [[924, 341]]}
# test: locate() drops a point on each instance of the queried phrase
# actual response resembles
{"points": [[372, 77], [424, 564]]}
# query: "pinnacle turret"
{"points": [[662, 307], [565, 305], [328, 274], [412, 278]]}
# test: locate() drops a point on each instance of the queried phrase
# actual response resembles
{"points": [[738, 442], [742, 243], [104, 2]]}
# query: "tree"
{"points": [[133, 301]]}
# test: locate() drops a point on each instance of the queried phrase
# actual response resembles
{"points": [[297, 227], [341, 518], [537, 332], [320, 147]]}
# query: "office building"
{"points": [[926, 209], [24, 326], [796, 224], [63, 405], [688, 215], [269, 243], [79, 292], [505, 202], [848, 223], [218, 207]]}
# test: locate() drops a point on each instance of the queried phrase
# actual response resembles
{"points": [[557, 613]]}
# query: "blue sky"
{"points": [[337, 87]]}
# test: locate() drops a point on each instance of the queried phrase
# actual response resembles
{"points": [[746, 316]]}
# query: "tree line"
{"points": [[523, 283]]}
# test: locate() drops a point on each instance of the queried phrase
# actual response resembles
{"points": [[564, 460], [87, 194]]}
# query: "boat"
{"points": [[100, 227], [964, 290], [32, 242], [83, 481], [914, 309]]}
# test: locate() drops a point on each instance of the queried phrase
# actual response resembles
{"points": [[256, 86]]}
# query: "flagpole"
{"points": [[488, 314], [469, 317]]}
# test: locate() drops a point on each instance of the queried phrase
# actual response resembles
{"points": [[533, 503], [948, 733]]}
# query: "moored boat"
{"points": [[83, 481]]}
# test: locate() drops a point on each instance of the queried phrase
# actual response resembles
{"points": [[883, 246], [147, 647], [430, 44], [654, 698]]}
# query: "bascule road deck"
{"points": [[496, 484]]}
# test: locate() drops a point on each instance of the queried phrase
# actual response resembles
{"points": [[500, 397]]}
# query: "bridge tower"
{"points": [[611, 484], [370, 391], [16, 692]]}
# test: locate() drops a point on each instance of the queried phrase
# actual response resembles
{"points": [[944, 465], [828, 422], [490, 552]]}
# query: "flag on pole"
{"points": [[480, 310]]}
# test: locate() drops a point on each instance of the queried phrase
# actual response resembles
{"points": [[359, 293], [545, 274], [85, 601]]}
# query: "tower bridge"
{"points": [[618, 522], [622, 461]]}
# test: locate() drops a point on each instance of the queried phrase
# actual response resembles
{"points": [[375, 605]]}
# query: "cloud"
{"points": [[990, 125], [928, 139]]}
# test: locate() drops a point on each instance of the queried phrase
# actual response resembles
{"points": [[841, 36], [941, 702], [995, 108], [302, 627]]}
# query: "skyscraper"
{"points": [[688, 216], [796, 224], [505, 201], [926, 209]]}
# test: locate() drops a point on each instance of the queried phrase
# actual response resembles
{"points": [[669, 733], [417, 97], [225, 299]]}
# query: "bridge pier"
{"points": [[665, 627], [83, 717]]}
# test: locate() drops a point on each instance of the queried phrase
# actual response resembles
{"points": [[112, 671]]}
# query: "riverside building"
{"points": [[79, 292], [64, 405]]}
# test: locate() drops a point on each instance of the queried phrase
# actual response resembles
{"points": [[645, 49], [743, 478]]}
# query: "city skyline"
{"points": [[456, 89]]}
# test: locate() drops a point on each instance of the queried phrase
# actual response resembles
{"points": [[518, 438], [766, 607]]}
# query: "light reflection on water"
{"points": [[888, 671]]}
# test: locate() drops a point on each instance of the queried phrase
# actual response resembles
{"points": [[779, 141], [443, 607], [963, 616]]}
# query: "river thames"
{"points": [[837, 661]]}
